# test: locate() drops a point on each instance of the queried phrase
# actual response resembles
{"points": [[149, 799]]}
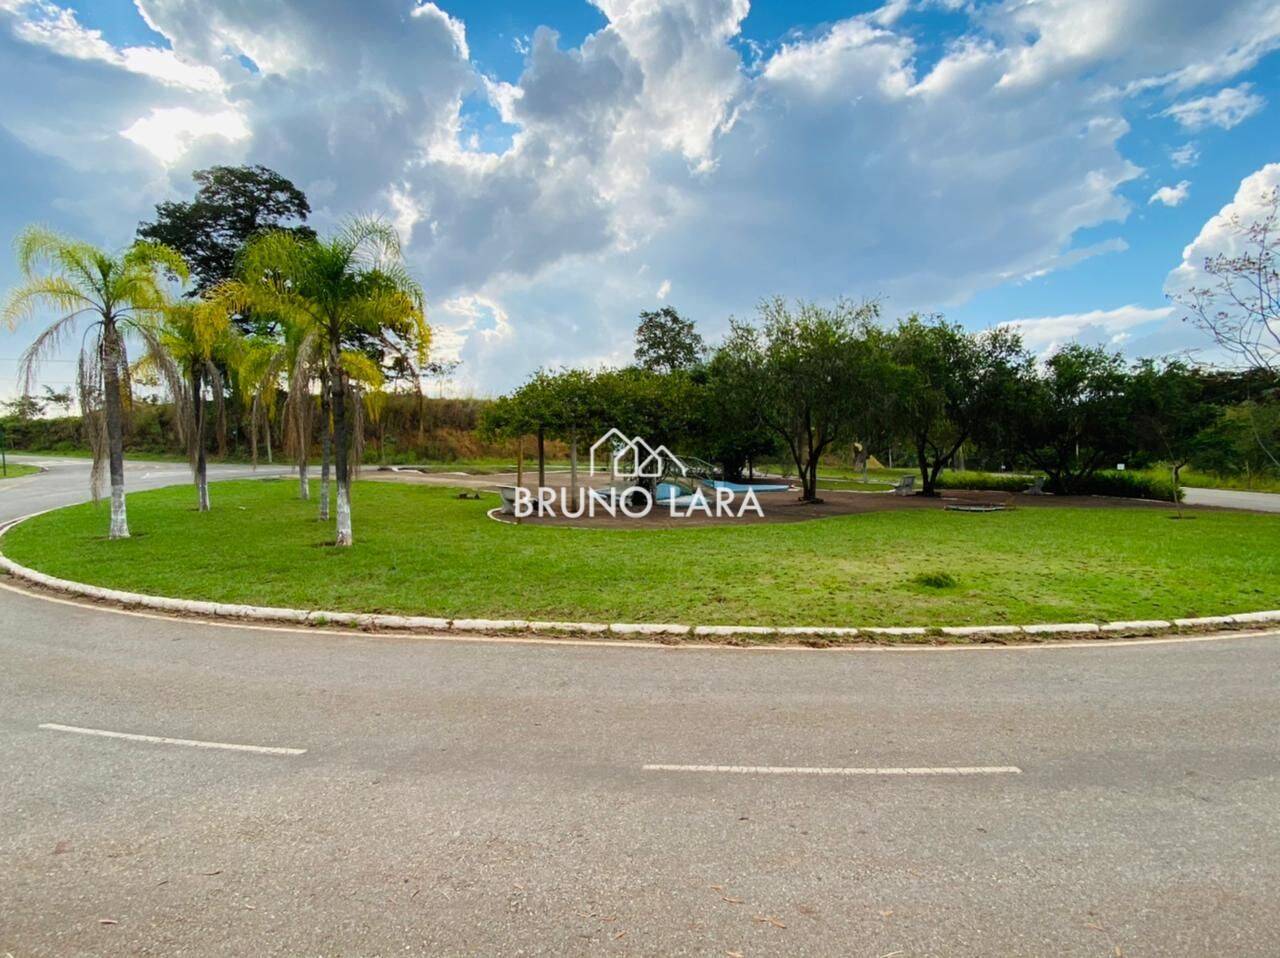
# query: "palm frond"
{"points": [[55, 291], [47, 341]]}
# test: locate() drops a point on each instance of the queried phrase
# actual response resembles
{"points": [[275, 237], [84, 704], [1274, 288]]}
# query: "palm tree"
{"points": [[337, 295], [115, 294], [191, 341]]}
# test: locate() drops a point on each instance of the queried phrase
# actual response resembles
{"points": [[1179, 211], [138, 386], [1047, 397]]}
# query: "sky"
{"points": [[556, 167]]}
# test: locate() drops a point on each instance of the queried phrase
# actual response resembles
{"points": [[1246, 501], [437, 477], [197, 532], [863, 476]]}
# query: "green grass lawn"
{"points": [[15, 469], [420, 550]]}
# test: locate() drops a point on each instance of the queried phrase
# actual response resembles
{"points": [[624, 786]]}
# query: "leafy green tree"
{"points": [[232, 205], [1070, 415], [949, 385], [115, 294], [807, 371], [60, 398], [1171, 417], [333, 292], [734, 436], [666, 341], [24, 408], [532, 409]]}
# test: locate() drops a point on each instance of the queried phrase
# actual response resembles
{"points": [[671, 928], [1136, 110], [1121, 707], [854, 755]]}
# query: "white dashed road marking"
{"points": [[188, 742], [806, 770]]}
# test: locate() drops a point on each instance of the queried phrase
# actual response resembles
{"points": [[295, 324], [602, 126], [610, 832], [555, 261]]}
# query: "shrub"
{"points": [[996, 481], [1126, 485], [936, 580]]}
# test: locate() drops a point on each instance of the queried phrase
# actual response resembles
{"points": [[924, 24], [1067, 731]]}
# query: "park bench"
{"points": [[904, 486], [1036, 488]]}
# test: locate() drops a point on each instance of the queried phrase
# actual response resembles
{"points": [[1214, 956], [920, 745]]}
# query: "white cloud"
{"points": [[664, 289], [1186, 155], [1106, 327], [45, 24], [1229, 107], [1171, 195], [1220, 235], [169, 133], [1133, 44]]}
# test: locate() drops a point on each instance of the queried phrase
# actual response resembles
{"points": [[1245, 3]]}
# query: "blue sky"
{"points": [[556, 167]]}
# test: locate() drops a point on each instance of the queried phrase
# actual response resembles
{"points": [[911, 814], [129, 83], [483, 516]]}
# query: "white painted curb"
{"points": [[421, 623]]}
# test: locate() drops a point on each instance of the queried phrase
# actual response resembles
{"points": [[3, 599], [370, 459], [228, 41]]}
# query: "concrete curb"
{"points": [[429, 624]]}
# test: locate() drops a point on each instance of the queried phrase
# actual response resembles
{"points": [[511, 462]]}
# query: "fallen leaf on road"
{"points": [[770, 920], [733, 954], [886, 914], [215, 872], [730, 900], [107, 921], [62, 848], [618, 935]]}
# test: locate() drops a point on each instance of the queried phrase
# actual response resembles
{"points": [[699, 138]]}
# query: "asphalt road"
{"points": [[1233, 499], [491, 798]]}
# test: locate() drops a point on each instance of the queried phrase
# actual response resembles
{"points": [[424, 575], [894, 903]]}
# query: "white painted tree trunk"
{"points": [[344, 516], [204, 494], [119, 517], [304, 487]]}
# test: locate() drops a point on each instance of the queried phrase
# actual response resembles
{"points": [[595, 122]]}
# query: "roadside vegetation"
{"points": [[424, 551], [15, 470]]}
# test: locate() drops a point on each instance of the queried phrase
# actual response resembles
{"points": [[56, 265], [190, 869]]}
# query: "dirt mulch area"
{"points": [[777, 506], [786, 507]]}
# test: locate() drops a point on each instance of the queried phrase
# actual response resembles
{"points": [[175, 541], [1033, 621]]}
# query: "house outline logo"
{"points": [[632, 457]]}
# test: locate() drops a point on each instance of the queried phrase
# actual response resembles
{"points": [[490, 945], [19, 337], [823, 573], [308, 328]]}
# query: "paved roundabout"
{"points": [[389, 794]]}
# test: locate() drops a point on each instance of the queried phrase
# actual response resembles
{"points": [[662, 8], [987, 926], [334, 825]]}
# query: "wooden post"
{"points": [[542, 457], [519, 467], [573, 467]]}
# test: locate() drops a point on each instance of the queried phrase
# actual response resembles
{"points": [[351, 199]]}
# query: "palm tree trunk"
{"points": [[114, 411], [202, 479], [326, 445], [342, 439]]}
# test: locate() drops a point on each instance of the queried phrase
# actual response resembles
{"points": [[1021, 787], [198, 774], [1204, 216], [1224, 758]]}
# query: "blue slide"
{"points": [[742, 486]]}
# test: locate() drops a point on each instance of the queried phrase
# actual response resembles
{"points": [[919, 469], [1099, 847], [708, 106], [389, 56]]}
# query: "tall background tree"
{"points": [[114, 295], [232, 205], [666, 341]]}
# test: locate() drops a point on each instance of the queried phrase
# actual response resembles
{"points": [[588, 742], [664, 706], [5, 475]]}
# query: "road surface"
{"points": [[409, 796], [1233, 499]]}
